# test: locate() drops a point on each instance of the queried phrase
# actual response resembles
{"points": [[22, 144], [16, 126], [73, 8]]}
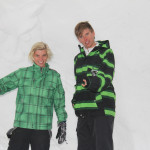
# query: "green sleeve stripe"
{"points": [[89, 74], [79, 87], [98, 98], [105, 53], [105, 93], [105, 75], [85, 68], [108, 63], [80, 70], [109, 94], [109, 112], [102, 83], [75, 77], [104, 45], [81, 56], [101, 55], [108, 76], [85, 105], [93, 53], [82, 49], [78, 57]]}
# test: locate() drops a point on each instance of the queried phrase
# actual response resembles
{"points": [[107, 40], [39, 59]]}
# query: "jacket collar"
{"points": [[42, 70], [104, 44]]}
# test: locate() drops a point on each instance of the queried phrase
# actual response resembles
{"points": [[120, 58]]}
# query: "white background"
{"points": [[125, 23]]}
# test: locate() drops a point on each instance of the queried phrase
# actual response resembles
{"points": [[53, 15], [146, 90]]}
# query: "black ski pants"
{"points": [[95, 133], [22, 138]]}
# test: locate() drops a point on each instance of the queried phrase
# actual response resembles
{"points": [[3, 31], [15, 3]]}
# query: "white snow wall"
{"points": [[125, 23]]}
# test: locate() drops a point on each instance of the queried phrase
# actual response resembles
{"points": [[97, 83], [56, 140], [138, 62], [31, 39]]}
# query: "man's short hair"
{"points": [[40, 46], [82, 26]]}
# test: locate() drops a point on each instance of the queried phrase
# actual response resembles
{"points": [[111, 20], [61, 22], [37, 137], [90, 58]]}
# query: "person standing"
{"points": [[94, 97], [39, 90]]}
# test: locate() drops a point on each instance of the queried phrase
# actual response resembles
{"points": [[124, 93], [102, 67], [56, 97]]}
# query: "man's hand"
{"points": [[61, 134], [85, 83]]}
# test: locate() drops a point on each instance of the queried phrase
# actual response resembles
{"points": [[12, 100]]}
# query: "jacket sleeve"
{"points": [[103, 76], [59, 101], [73, 99], [9, 82]]}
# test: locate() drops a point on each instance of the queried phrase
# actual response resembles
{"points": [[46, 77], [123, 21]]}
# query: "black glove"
{"points": [[10, 132], [61, 134]]}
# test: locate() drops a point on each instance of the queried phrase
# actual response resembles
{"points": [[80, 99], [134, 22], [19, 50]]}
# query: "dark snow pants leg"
{"points": [[22, 138], [84, 132], [40, 140], [19, 140], [103, 130], [95, 133]]}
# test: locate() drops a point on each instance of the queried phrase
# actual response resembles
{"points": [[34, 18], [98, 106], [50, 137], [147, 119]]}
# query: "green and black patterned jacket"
{"points": [[39, 90], [98, 97]]}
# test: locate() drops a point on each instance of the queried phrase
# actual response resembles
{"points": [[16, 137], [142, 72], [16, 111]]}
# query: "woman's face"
{"points": [[40, 57]]}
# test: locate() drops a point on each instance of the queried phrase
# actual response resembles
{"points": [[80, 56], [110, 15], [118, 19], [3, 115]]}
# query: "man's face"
{"points": [[87, 38], [40, 57]]}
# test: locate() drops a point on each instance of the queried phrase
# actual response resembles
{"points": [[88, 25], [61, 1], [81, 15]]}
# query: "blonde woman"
{"points": [[39, 91]]}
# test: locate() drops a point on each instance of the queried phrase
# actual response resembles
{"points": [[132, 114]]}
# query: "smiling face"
{"points": [[40, 57], [87, 38]]}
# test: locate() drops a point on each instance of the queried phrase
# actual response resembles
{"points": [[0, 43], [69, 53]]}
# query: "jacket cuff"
{"points": [[100, 104]]}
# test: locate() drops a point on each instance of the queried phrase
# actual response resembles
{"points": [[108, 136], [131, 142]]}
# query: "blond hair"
{"points": [[82, 26], [40, 46]]}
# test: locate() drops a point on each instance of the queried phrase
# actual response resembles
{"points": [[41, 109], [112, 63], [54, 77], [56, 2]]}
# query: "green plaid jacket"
{"points": [[39, 91]]}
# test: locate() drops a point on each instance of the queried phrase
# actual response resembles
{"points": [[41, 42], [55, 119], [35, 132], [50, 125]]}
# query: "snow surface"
{"points": [[125, 23]]}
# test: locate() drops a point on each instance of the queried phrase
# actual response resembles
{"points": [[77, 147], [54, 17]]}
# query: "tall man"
{"points": [[94, 97]]}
